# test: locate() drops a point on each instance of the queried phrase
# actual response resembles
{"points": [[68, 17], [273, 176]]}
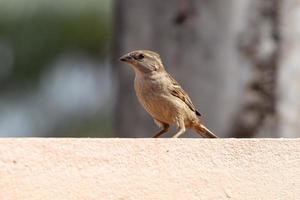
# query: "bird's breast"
{"points": [[149, 91], [155, 98]]}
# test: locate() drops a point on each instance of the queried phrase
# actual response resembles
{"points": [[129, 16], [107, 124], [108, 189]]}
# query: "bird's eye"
{"points": [[141, 56]]}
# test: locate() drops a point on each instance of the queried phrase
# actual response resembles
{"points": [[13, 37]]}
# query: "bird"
{"points": [[162, 96]]}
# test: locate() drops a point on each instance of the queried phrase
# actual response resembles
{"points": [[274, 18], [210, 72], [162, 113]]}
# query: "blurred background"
{"points": [[60, 75]]}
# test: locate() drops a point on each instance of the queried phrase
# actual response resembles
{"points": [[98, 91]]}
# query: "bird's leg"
{"points": [[181, 129], [165, 129], [180, 132]]}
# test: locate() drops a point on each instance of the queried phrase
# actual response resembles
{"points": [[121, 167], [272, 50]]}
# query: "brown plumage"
{"points": [[161, 95]]}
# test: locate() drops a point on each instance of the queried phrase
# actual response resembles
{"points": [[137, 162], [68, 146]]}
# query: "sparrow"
{"points": [[161, 95]]}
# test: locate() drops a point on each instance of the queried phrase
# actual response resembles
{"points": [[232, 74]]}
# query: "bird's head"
{"points": [[143, 61]]}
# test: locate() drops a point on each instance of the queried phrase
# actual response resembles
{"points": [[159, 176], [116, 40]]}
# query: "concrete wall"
{"points": [[60, 169]]}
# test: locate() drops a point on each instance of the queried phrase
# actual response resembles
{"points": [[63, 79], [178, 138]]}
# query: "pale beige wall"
{"points": [[59, 169]]}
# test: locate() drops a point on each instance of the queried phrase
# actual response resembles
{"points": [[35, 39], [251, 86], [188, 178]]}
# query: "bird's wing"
{"points": [[178, 92]]}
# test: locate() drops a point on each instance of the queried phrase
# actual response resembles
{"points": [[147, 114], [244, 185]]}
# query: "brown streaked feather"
{"points": [[177, 91]]}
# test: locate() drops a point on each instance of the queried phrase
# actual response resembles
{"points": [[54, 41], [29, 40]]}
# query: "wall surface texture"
{"points": [[63, 169]]}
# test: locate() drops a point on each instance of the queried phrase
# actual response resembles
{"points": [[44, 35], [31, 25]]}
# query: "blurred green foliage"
{"points": [[38, 31], [93, 126]]}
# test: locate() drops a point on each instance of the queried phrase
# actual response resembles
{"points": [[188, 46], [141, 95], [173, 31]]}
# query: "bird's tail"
{"points": [[204, 132]]}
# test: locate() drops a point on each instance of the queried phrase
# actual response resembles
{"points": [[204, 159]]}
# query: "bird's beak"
{"points": [[126, 58]]}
